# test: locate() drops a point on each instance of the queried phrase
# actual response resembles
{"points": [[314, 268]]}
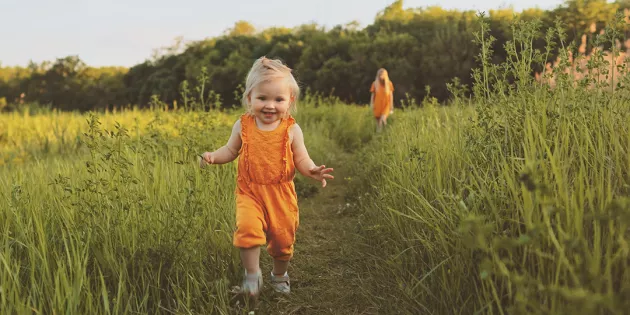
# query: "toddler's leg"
{"points": [[281, 249], [280, 267], [253, 276], [283, 220], [279, 277], [248, 237], [250, 231], [250, 257]]}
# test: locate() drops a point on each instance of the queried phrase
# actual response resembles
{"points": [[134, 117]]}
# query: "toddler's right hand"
{"points": [[206, 158]]}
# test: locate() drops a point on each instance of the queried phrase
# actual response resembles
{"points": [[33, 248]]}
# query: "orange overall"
{"points": [[266, 202], [382, 102]]}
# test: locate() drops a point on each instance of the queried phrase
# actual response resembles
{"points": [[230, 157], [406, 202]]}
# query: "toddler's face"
{"points": [[270, 101]]}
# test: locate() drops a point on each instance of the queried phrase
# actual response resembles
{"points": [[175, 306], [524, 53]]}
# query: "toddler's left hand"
{"points": [[321, 173]]}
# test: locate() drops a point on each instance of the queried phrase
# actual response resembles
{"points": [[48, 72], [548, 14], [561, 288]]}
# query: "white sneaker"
{"points": [[252, 284], [281, 284]]}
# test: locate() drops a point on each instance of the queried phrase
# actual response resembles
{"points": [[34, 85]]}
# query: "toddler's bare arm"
{"points": [[303, 161], [228, 152]]}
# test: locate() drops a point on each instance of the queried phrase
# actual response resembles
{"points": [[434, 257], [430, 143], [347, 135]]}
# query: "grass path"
{"points": [[328, 272]]}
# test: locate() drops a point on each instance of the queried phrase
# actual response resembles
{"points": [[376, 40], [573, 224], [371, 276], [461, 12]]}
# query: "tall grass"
{"points": [[517, 205], [122, 220], [126, 226], [26, 136]]}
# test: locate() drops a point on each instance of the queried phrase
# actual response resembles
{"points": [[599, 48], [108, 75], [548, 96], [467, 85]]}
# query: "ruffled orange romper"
{"points": [[266, 201]]}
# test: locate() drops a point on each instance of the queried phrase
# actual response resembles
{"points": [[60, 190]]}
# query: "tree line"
{"points": [[424, 49]]}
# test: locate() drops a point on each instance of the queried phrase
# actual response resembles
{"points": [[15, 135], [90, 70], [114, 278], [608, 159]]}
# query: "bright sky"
{"points": [[125, 32]]}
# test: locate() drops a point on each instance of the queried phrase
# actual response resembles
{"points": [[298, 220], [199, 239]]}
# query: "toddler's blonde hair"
{"points": [[385, 84], [265, 70]]}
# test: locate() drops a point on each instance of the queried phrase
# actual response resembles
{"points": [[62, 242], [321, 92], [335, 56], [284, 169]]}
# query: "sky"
{"points": [[126, 32]]}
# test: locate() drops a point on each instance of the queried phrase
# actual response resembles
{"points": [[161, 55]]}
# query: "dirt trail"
{"points": [[328, 273]]}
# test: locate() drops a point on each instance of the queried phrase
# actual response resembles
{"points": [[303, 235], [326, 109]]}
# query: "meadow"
{"points": [[514, 201]]}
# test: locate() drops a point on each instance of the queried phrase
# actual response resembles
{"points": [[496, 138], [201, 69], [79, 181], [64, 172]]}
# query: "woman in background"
{"points": [[382, 99]]}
